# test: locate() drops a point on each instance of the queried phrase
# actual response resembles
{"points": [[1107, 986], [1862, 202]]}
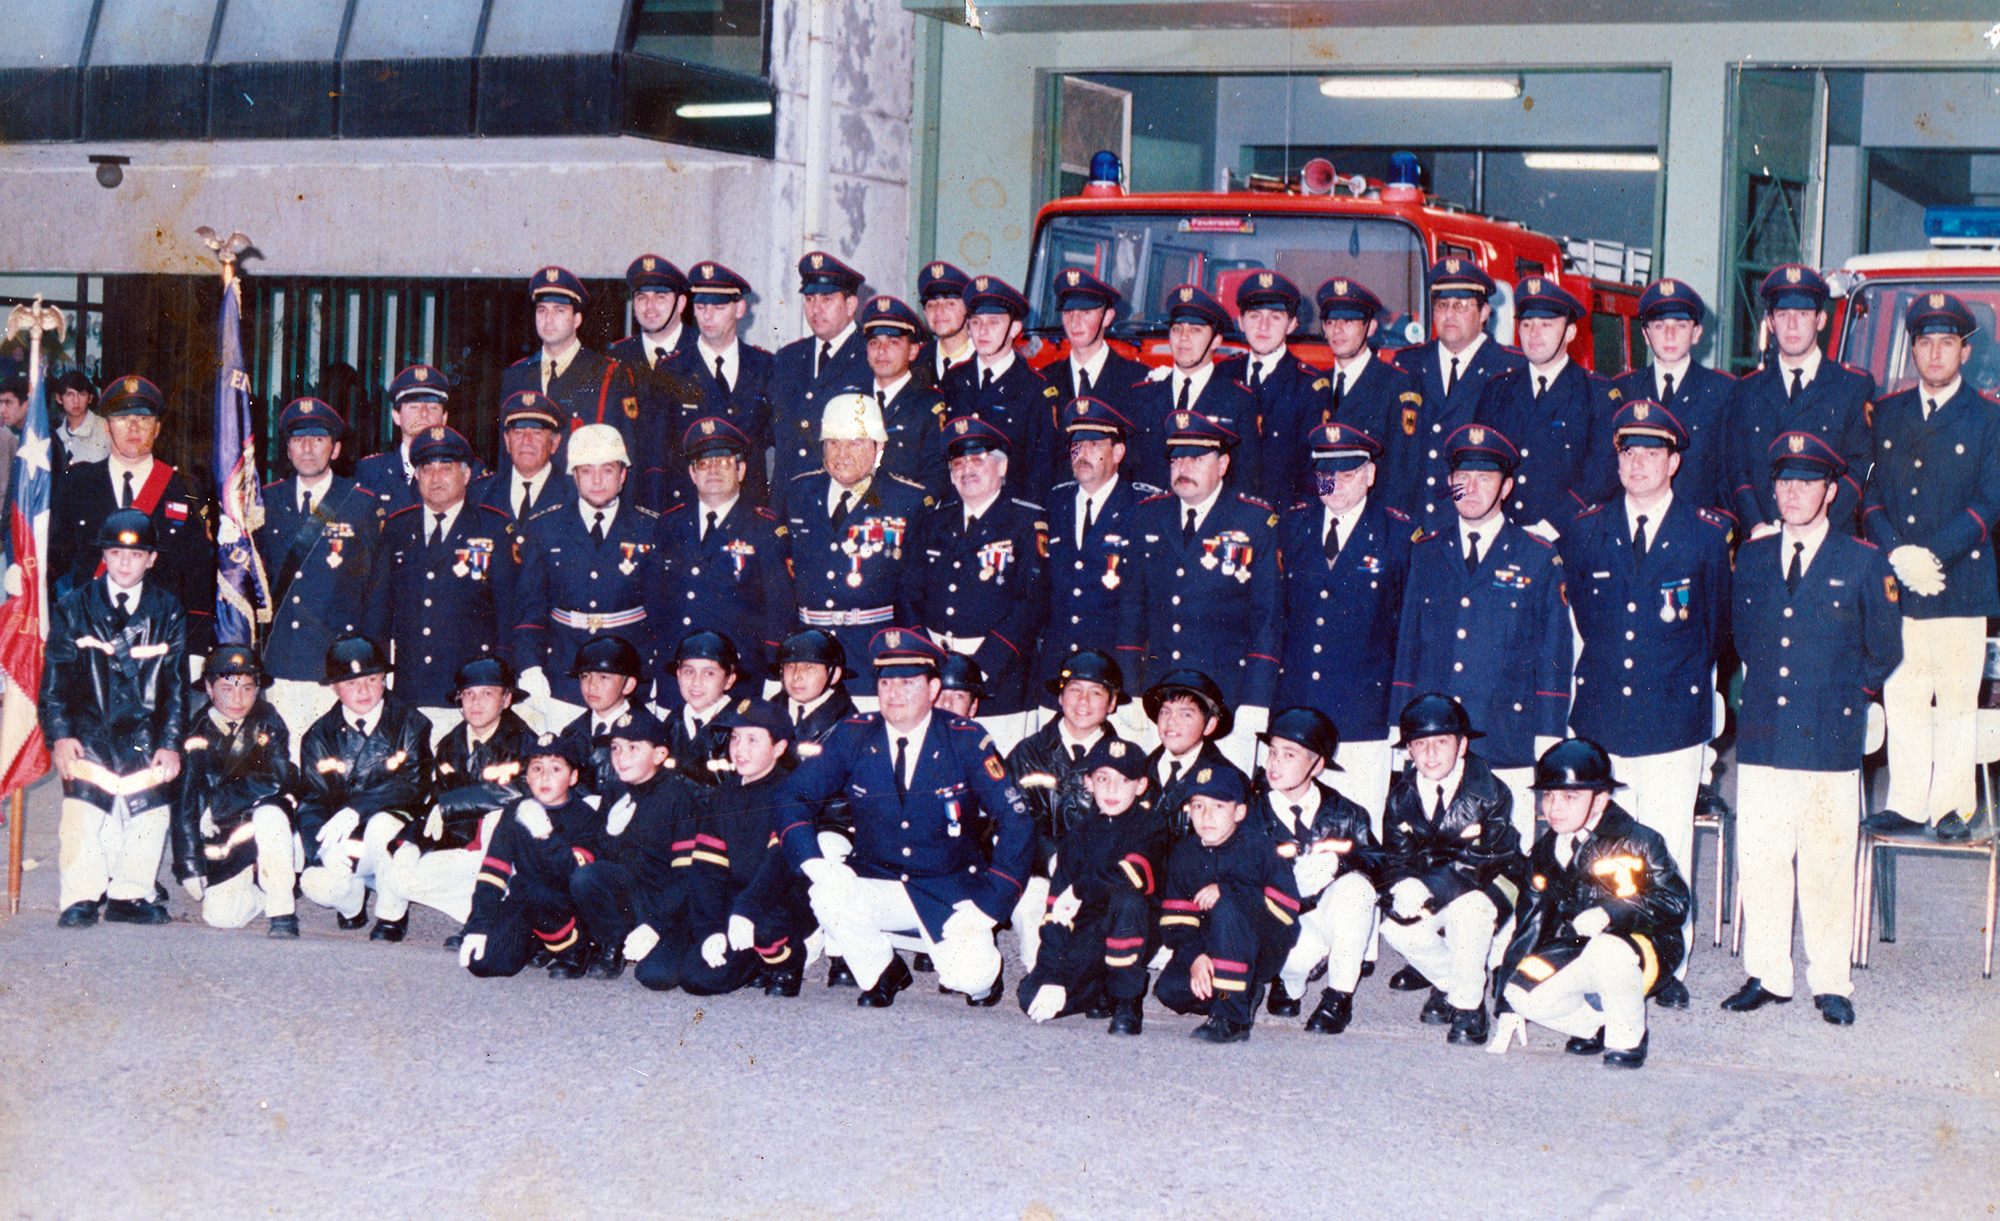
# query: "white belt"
{"points": [[590, 621], [853, 618]]}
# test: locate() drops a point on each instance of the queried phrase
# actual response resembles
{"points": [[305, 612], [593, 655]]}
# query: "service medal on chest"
{"points": [[854, 580], [460, 569]]}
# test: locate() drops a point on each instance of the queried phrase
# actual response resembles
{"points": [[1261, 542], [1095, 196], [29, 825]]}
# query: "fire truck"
{"points": [[1872, 292], [1311, 228]]}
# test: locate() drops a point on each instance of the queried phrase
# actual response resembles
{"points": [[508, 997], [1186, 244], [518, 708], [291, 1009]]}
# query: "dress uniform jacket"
{"points": [[228, 770], [1053, 783], [1951, 501], [1114, 380], [1341, 615], [595, 389], [1339, 826], [387, 771], [1229, 403], [496, 491], [1700, 401], [1248, 931], [471, 780], [1088, 584], [988, 580], [1652, 628], [853, 566], [1834, 406], [1212, 605], [320, 566], [1473, 847], [1422, 471], [1023, 405], [773, 899], [1812, 660], [1387, 403], [914, 420], [1169, 798], [1622, 866], [387, 476], [1497, 639], [798, 399], [745, 404], [186, 564], [928, 840], [737, 581], [564, 569], [1293, 400], [116, 685], [439, 606], [1568, 462], [731, 843], [668, 390], [523, 884]]}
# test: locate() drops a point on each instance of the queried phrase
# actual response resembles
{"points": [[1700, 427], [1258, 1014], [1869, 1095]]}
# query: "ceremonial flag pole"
{"points": [[242, 587]]}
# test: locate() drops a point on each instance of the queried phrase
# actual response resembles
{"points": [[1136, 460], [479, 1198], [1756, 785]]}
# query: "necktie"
{"points": [[902, 785], [437, 529], [1472, 551], [1187, 528], [721, 380], [126, 501], [305, 504], [521, 501], [840, 510], [1256, 376], [597, 526], [1798, 381], [1174, 774], [882, 401], [1930, 405], [1797, 571], [1181, 403], [1076, 753], [659, 357], [1437, 811], [1089, 520], [709, 528], [1639, 540], [1451, 381], [356, 727], [549, 377], [1339, 389], [124, 608], [1667, 388], [1298, 816], [798, 714], [1541, 387], [986, 379], [1332, 541], [825, 356], [1082, 382]]}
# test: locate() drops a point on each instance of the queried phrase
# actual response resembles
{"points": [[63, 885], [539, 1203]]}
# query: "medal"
{"points": [[1110, 580], [1243, 575], [1666, 614], [459, 569], [627, 567], [854, 580]]}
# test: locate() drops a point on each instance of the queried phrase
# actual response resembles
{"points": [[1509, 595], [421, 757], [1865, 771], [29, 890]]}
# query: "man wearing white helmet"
{"points": [[850, 528], [585, 567]]}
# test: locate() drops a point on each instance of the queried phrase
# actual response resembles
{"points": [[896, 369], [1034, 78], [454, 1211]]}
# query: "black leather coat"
{"points": [[120, 690], [468, 781], [1339, 826], [227, 773], [387, 771], [1475, 847]]}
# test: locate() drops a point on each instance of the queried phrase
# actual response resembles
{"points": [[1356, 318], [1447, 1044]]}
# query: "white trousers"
{"points": [[1450, 947], [1609, 969], [1660, 792], [266, 889], [443, 721], [345, 888], [298, 704], [1007, 729], [861, 921], [1363, 778], [111, 853], [1337, 929], [1795, 835], [443, 879], [1239, 745], [1931, 707], [1517, 780], [1027, 920]]}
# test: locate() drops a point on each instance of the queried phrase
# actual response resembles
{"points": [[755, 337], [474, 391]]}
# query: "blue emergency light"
{"points": [[1104, 167], [1962, 224], [1404, 170]]}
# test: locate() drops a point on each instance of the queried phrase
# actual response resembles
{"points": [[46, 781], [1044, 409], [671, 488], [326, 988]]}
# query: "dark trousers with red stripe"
{"points": [[1246, 943], [738, 968], [536, 910], [1081, 960]]}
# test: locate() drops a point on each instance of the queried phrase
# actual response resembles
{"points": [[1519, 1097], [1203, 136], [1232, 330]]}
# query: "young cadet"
{"points": [[999, 387], [1369, 392], [941, 295], [1099, 929], [1289, 395], [1451, 371], [1188, 714], [660, 361], [233, 818], [1599, 928], [734, 376], [913, 411], [419, 400], [961, 686], [1195, 325], [607, 673], [477, 773], [1094, 369], [809, 669], [1332, 851], [366, 772], [1941, 440], [705, 668], [1670, 317], [808, 373], [587, 387], [1228, 911], [520, 903], [113, 708], [1451, 863], [1817, 623]]}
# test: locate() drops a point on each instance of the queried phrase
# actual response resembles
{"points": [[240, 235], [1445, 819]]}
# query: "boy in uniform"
{"points": [[520, 903]]}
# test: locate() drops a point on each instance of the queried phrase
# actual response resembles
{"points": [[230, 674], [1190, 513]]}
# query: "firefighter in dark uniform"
{"points": [[660, 359], [807, 373], [913, 412], [1195, 325], [587, 387], [530, 427], [980, 578], [1670, 316], [999, 387], [1484, 619], [941, 295], [1205, 593], [724, 561], [1797, 389], [852, 530], [625, 876], [1451, 371], [1291, 396], [419, 400], [1941, 440], [1093, 369], [608, 671], [919, 781], [1346, 558], [133, 478], [1599, 928], [1369, 390], [318, 543], [1187, 713], [1649, 586], [1561, 411], [734, 376]]}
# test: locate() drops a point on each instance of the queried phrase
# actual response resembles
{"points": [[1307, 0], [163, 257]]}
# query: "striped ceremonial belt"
{"points": [[852, 618], [591, 621]]}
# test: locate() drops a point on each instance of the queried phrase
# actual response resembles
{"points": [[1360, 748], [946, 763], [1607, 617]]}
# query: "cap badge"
{"points": [[437, 434], [962, 426], [1115, 749], [937, 271], [1640, 411], [1797, 441], [648, 262], [1187, 294], [895, 639], [354, 664], [708, 428], [1791, 275], [422, 374], [1666, 288], [547, 739], [1264, 279], [1201, 777], [131, 385], [1533, 286], [1180, 419], [549, 274], [707, 271], [128, 537], [1340, 287], [1937, 300], [818, 261], [1451, 266], [1476, 435], [980, 284], [1075, 278]]}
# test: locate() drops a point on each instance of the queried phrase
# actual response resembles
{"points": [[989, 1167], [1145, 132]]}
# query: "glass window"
{"points": [[278, 30], [1876, 340], [536, 27], [54, 38], [153, 32], [398, 29], [726, 34]]}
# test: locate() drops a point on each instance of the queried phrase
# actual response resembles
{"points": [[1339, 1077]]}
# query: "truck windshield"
{"points": [[1874, 338], [1143, 255]]}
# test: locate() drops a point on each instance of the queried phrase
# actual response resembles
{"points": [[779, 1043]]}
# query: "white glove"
{"points": [[208, 828], [338, 828], [1159, 373], [1542, 530], [1510, 1027], [641, 940], [1407, 897], [434, 825], [1049, 1001], [742, 934], [534, 818], [1763, 529], [1314, 872], [193, 886], [966, 920], [1591, 921], [196, 664], [535, 683], [1918, 569], [1253, 719], [834, 846], [1876, 732], [714, 949], [472, 949], [1063, 911], [822, 870]]}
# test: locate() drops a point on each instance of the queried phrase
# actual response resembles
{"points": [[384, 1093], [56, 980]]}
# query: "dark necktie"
{"points": [[1472, 551], [1798, 382], [1930, 405], [1089, 520], [798, 714], [1639, 540], [1451, 381], [1541, 387], [1667, 389], [521, 501], [437, 529], [840, 510], [1187, 528], [1256, 376], [305, 504], [124, 608], [659, 357], [1437, 811], [1082, 382], [825, 356], [882, 402], [1332, 541], [1339, 390], [125, 502], [1181, 403], [902, 749], [709, 527], [986, 379], [721, 380], [597, 526], [1797, 571], [1076, 753], [1174, 774], [550, 378]]}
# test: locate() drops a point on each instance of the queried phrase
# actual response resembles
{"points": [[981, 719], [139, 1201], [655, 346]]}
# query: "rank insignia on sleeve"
{"points": [[1409, 421], [1889, 587], [994, 767], [631, 409]]}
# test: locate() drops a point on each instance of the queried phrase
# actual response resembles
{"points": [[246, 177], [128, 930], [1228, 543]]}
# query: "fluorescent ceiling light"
{"points": [[1424, 88], [723, 110], [1646, 163]]}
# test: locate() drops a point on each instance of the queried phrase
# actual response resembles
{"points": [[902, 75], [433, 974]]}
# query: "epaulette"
{"points": [[405, 509], [274, 483], [1145, 491], [1027, 504], [1067, 483], [1395, 513], [1592, 509], [677, 507], [1253, 501], [861, 718], [907, 482], [1717, 518], [540, 513], [525, 360], [761, 511], [1156, 496], [497, 511], [1864, 542], [643, 511], [818, 472], [1546, 543]]}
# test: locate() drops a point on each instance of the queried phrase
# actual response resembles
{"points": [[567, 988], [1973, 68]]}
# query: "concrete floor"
{"points": [[188, 1072]]}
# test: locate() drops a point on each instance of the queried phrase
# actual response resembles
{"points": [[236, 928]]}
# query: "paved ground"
{"points": [[186, 1072]]}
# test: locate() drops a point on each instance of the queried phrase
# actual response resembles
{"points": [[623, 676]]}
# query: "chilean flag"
{"points": [[24, 756]]}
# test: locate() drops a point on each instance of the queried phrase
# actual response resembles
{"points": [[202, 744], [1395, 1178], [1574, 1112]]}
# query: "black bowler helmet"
{"points": [[1577, 763], [1091, 666], [813, 647], [1310, 728], [961, 673], [606, 655], [1429, 715]]}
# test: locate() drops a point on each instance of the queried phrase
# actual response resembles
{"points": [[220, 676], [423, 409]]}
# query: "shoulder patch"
{"points": [[1051, 392], [1409, 396], [1394, 513], [1323, 383]]}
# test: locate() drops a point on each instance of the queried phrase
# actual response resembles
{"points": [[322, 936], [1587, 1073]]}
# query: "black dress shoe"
{"points": [[1219, 1029], [1888, 822], [990, 997], [1837, 1010], [1437, 1010], [78, 915], [894, 978], [1101, 1008], [389, 930], [782, 983], [1319, 971], [283, 928], [607, 963], [1368, 968], [456, 940], [136, 911], [1951, 829], [1281, 1003], [541, 958], [1127, 1017], [1409, 979], [349, 923], [1672, 995], [921, 964], [572, 962], [1753, 995], [1468, 1026], [839, 974], [1580, 1046], [1631, 1057], [1334, 1011]]}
